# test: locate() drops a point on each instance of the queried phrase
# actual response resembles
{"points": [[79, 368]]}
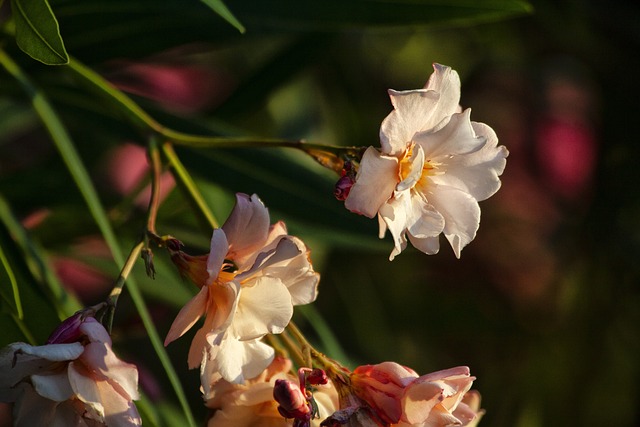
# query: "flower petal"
{"points": [[54, 386], [375, 182], [188, 315], [105, 365], [218, 252], [237, 361], [420, 110], [456, 138], [265, 307], [477, 173], [246, 228], [461, 214]]}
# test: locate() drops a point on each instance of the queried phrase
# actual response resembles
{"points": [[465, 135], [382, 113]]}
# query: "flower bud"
{"points": [[317, 377], [68, 331], [292, 401]]}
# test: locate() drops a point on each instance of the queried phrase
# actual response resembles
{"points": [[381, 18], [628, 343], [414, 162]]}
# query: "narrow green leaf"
{"points": [[37, 31], [219, 7], [65, 146], [14, 302]]}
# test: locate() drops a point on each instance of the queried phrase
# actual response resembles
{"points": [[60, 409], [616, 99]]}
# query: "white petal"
{"points": [[420, 110], [247, 227], [377, 178], [428, 245], [265, 307], [413, 112], [423, 219], [446, 82], [19, 360], [54, 386], [477, 173], [85, 387], [456, 138], [95, 331], [237, 361], [284, 250], [461, 214], [219, 248], [394, 215]]}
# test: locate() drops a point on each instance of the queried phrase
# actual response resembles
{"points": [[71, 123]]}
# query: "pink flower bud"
{"points": [[343, 187], [317, 377], [69, 330], [293, 402]]}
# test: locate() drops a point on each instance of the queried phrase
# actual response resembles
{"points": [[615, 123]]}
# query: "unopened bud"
{"points": [[317, 377], [69, 330], [292, 401]]}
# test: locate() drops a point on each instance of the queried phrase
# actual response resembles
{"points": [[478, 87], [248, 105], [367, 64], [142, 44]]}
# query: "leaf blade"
{"points": [[38, 32]]}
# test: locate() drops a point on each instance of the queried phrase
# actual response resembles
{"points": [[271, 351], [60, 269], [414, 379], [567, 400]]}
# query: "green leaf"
{"points": [[37, 31], [14, 303], [219, 7]]}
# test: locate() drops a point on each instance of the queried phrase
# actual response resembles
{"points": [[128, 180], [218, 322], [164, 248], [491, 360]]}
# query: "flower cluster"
{"points": [[434, 165], [75, 379]]}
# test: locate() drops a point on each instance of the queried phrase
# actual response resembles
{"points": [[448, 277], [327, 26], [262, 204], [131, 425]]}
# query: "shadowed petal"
{"points": [[218, 252], [188, 315], [461, 215], [375, 182], [54, 386], [246, 228]]}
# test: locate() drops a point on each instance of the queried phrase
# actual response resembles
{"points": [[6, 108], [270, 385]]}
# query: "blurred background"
{"points": [[544, 305]]}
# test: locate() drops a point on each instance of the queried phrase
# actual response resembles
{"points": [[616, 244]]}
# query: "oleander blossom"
{"points": [[74, 380], [400, 397], [432, 169], [249, 282], [252, 403]]}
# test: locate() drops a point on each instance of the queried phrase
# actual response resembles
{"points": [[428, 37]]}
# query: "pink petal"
{"points": [[95, 331], [418, 400], [375, 182], [188, 315], [105, 365]]}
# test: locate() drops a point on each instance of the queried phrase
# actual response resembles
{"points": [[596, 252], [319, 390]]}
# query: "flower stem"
{"points": [[119, 284], [145, 122], [182, 176]]}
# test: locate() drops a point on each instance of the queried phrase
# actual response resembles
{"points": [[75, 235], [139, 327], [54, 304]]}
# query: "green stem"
{"points": [[182, 176], [63, 142], [156, 170], [140, 118], [122, 278]]}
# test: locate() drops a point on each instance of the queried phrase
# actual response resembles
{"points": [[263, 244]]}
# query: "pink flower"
{"points": [[253, 276], [434, 166], [400, 397], [74, 380]]}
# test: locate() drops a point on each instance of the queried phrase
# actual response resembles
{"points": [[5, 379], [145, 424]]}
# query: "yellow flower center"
{"points": [[407, 162]]}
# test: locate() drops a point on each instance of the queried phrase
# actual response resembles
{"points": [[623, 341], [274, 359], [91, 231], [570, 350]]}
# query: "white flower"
{"points": [[250, 281], [435, 164], [79, 383]]}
